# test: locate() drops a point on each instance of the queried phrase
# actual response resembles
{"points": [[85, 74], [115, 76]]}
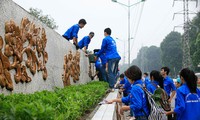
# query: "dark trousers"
{"points": [[170, 117], [141, 118], [112, 71], [104, 73], [99, 75], [76, 45]]}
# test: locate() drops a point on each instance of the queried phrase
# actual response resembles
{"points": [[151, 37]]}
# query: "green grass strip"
{"points": [[68, 103]]}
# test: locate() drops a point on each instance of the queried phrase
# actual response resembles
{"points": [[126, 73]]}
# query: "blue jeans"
{"points": [[104, 73], [112, 71]]}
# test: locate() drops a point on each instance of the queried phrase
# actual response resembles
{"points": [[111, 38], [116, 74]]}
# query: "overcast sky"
{"points": [[151, 21]]}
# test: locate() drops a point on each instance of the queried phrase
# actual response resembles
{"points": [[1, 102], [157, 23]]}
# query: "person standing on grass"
{"points": [[109, 48], [72, 32]]}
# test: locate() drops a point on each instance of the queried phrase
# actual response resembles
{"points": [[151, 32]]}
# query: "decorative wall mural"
{"points": [[5, 77], [71, 68], [25, 47]]}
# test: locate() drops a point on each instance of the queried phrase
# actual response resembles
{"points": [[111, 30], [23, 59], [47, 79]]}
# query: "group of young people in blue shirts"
{"points": [[107, 53], [187, 101], [72, 34]]}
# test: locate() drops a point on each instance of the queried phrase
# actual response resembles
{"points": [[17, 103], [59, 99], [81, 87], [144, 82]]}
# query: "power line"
{"points": [[134, 34]]}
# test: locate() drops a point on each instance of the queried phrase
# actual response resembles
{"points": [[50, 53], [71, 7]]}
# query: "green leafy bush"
{"points": [[68, 103]]}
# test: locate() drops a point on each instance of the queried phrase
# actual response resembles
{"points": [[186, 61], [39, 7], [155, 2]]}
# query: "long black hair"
{"points": [[190, 79], [157, 77]]}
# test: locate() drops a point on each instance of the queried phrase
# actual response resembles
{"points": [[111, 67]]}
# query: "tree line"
{"points": [[170, 52]]}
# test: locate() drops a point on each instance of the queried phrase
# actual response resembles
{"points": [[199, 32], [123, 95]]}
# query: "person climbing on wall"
{"points": [[72, 32]]}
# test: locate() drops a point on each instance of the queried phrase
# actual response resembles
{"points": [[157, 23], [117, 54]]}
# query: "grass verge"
{"points": [[68, 103]]}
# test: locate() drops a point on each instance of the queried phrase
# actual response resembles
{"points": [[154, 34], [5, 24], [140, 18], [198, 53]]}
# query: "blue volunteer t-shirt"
{"points": [[122, 81], [109, 48], [127, 86], [187, 105], [98, 64], [151, 87], [169, 85], [146, 81], [103, 59], [84, 42], [137, 99], [72, 32]]}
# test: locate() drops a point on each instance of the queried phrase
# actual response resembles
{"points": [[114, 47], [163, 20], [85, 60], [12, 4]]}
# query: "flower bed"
{"points": [[68, 103]]}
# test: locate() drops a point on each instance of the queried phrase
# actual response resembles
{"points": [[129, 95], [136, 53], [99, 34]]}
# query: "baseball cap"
{"points": [[178, 80]]}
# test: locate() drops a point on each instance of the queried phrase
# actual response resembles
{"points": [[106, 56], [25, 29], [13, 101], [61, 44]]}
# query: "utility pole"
{"points": [[186, 38], [185, 42], [129, 36], [142, 58]]}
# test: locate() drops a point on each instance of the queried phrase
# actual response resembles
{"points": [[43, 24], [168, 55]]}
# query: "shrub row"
{"points": [[68, 103]]}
